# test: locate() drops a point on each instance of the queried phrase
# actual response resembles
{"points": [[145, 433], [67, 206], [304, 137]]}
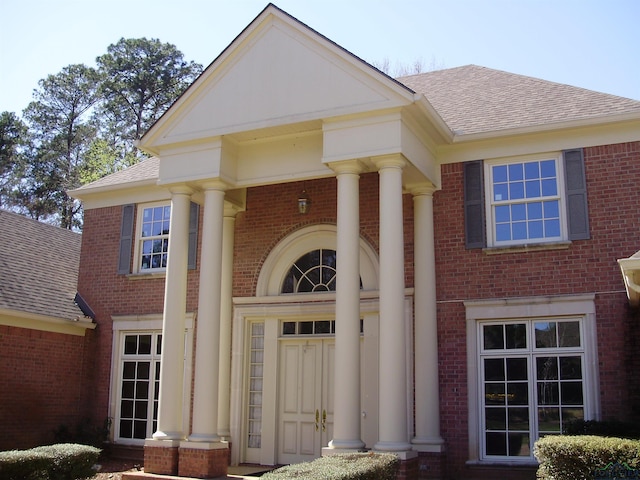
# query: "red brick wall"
{"points": [[41, 385], [272, 214], [587, 266]]}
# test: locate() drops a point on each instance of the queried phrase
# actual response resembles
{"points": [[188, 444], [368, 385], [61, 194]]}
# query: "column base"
{"points": [[161, 456], [428, 444], [203, 459], [431, 465]]}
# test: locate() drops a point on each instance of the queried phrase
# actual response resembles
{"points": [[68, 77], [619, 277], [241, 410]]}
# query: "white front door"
{"points": [[305, 412]]}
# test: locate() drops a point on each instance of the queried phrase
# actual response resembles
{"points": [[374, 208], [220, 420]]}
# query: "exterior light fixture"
{"points": [[304, 202]]}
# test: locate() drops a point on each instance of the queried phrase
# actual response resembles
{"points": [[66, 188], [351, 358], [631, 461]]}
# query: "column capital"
{"points": [[390, 161], [422, 189], [181, 189], [354, 167], [214, 184]]}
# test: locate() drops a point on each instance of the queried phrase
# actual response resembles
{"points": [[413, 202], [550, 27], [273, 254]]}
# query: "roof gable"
{"points": [[276, 72]]}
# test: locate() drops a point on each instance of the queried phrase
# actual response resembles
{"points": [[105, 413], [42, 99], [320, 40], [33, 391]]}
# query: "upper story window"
{"points": [[149, 241], [525, 204], [154, 237], [526, 200]]}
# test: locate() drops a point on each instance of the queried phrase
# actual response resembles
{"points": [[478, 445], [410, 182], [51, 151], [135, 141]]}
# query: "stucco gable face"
{"points": [[277, 72]]}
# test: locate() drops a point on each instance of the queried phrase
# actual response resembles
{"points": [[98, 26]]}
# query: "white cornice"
{"points": [[76, 326]]}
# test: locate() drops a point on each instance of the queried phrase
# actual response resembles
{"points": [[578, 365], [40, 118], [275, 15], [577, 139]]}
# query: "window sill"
{"points": [[146, 276], [534, 247]]}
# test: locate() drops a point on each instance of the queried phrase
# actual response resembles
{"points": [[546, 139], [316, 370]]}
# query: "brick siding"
{"points": [[41, 385]]}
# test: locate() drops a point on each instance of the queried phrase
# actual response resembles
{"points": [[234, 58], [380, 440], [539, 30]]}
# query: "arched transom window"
{"points": [[315, 271]]}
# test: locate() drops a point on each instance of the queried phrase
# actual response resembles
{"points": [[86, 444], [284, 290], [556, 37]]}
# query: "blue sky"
{"points": [[593, 44]]}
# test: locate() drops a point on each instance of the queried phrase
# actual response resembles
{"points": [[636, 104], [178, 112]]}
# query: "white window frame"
{"points": [[568, 307], [140, 239], [490, 202], [143, 324]]}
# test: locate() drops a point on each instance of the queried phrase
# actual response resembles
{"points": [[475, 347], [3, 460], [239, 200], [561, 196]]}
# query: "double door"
{"points": [[305, 420]]}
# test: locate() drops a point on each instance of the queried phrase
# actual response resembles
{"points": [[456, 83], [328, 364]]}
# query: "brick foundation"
{"points": [[431, 465], [203, 463], [408, 469], [161, 459]]}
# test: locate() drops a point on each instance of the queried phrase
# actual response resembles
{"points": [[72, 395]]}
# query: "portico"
{"points": [[300, 127]]}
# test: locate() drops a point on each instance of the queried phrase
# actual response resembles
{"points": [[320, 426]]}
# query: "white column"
{"points": [[205, 395], [170, 406], [393, 430], [427, 399], [346, 419], [226, 312]]}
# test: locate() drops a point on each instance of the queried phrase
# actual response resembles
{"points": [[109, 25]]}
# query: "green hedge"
{"points": [[66, 461], [584, 457], [347, 466]]}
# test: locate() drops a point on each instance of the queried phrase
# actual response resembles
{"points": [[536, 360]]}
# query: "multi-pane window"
{"points": [[154, 237], [531, 382], [255, 385], [139, 386], [525, 202]]}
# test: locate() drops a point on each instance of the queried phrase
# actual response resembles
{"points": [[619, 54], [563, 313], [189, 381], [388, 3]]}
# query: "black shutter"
{"points": [[194, 214], [576, 186], [126, 239], [474, 218]]}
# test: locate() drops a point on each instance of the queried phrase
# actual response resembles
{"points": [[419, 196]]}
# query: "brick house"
{"points": [[43, 332], [472, 220]]}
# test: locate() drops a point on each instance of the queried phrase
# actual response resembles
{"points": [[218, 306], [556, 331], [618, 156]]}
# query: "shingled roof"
{"points": [[476, 100], [38, 268]]}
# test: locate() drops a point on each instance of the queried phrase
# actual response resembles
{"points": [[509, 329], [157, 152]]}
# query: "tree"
{"points": [[12, 143], [403, 70], [60, 134], [142, 78]]}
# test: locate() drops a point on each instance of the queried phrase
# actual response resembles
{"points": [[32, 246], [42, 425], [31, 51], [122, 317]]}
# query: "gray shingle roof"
{"points": [[142, 171], [473, 100], [38, 267]]}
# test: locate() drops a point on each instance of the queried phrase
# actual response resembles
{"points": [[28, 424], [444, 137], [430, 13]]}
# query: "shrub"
{"points": [[348, 466], [603, 428], [565, 457], [65, 461], [84, 432]]}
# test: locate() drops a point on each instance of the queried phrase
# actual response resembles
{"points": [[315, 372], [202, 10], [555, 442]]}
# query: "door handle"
{"points": [[317, 419], [324, 420]]}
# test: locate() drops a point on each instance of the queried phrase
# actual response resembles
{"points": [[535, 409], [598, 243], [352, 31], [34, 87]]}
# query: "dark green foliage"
{"points": [[603, 428], [351, 466], [84, 432], [564, 457], [83, 124], [52, 462]]}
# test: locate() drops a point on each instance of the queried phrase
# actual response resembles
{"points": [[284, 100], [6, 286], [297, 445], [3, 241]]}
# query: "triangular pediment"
{"points": [[277, 72]]}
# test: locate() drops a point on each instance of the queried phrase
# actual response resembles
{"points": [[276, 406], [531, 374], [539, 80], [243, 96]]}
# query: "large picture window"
{"points": [[139, 386], [532, 382]]}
